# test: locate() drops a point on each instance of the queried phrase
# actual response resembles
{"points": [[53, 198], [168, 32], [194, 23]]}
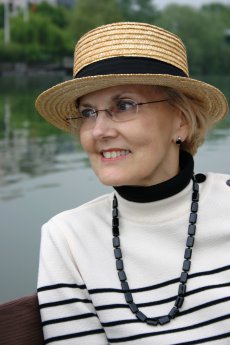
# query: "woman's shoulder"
{"points": [[91, 209], [215, 189], [218, 180]]}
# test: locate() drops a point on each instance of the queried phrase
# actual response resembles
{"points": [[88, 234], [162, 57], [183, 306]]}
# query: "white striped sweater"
{"points": [[80, 296]]}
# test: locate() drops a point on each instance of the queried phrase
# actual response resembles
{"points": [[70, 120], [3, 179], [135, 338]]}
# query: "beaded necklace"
{"points": [[185, 268]]}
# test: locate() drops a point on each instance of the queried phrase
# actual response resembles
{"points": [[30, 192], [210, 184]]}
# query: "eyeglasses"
{"points": [[123, 110]]}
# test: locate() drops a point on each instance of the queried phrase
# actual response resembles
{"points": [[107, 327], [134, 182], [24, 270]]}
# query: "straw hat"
{"points": [[127, 53]]}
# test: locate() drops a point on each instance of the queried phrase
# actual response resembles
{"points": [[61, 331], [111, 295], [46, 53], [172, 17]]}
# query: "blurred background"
{"points": [[42, 170]]}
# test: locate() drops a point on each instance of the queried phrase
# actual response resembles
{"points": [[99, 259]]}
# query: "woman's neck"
{"points": [[162, 190]]}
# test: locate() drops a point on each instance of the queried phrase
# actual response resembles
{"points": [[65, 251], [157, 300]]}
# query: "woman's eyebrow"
{"points": [[113, 98], [124, 94], [85, 104]]}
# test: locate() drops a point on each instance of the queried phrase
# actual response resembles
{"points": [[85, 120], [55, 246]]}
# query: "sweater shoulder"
{"points": [[218, 182], [83, 214], [215, 192]]}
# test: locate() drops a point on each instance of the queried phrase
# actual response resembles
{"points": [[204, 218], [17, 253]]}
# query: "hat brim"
{"points": [[59, 102]]}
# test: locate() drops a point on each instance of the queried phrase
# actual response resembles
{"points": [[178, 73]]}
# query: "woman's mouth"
{"points": [[112, 154]]}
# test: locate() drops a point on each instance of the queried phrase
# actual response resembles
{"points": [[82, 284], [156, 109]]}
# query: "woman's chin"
{"points": [[113, 180]]}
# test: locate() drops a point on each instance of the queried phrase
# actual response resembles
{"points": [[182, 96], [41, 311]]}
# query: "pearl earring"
{"points": [[178, 141]]}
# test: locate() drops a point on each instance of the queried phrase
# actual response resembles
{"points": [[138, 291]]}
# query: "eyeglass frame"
{"points": [[110, 115]]}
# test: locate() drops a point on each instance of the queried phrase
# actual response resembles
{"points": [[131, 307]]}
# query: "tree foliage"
{"points": [[1, 16], [51, 32], [138, 10], [88, 14]]}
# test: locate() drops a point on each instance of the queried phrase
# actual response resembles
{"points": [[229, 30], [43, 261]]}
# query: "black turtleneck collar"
{"points": [[162, 190]]}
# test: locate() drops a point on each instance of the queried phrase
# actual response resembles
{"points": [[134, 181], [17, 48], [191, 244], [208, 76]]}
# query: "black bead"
{"points": [[192, 229], [194, 207], [117, 253], [115, 203], [188, 253], [115, 212], [133, 307], [122, 275], [163, 320], [128, 297], [116, 242], [115, 231], [152, 322], [173, 312], [192, 218], [119, 265], [195, 196], [182, 290], [124, 286], [200, 177], [195, 187], [186, 265], [190, 241], [141, 316], [115, 222], [183, 277], [179, 301]]}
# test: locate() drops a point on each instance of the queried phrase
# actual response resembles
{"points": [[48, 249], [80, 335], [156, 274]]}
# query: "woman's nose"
{"points": [[104, 127]]}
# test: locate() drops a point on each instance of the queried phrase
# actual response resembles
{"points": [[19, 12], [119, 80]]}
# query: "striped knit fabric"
{"points": [[80, 296]]}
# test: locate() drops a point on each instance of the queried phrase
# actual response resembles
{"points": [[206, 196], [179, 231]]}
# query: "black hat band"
{"points": [[129, 65]]}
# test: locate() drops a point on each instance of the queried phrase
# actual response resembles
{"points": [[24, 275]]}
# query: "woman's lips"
{"points": [[114, 153]]}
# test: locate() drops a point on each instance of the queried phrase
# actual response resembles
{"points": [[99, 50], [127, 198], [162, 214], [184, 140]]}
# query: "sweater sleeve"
{"points": [[67, 313]]}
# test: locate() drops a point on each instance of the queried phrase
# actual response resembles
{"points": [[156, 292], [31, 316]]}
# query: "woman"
{"points": [[130, 267]]}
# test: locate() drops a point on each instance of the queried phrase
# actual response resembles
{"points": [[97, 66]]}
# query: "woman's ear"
{"points": [[182, 127]]}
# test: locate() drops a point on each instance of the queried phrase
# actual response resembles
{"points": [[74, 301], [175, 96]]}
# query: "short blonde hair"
{"points": [[195, 115]]}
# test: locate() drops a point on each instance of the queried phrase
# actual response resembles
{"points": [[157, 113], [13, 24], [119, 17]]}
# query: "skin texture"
{"points": [[148, 152]]}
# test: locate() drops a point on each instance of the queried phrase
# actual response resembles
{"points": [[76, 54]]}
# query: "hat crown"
{"points": [[130, 39]]}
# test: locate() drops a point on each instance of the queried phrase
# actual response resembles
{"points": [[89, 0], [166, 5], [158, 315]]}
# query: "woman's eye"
{"points": [[87, 113], [125, 105]]}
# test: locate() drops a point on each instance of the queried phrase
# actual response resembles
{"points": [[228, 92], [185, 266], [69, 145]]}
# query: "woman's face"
{"points": [[141, 151]]}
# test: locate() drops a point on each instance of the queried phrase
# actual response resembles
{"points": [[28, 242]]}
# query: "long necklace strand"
{"points": [[185, 268]]}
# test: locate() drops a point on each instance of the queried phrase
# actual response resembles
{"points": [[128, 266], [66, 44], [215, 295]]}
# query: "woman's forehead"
{"points": [[135, 90]]}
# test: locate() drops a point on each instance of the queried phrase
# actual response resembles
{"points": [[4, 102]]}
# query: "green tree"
{"points": [[218, 30], [58, 15], [202, 34], [138, 10], [88, 14], [1, 16], [38, 39]]}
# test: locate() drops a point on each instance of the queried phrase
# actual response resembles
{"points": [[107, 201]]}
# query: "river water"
{"points": [[43, 172]]}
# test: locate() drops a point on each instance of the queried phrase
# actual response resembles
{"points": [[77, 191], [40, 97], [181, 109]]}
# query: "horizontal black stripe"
{"points": [[205, 288], [205, 305], [214, 271], [205, 340], [177, 330], [145, 304], [160, 285], [143, 289], [181, 313], [73, 335], [68, 319], [63, 302], [59, 286]]}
